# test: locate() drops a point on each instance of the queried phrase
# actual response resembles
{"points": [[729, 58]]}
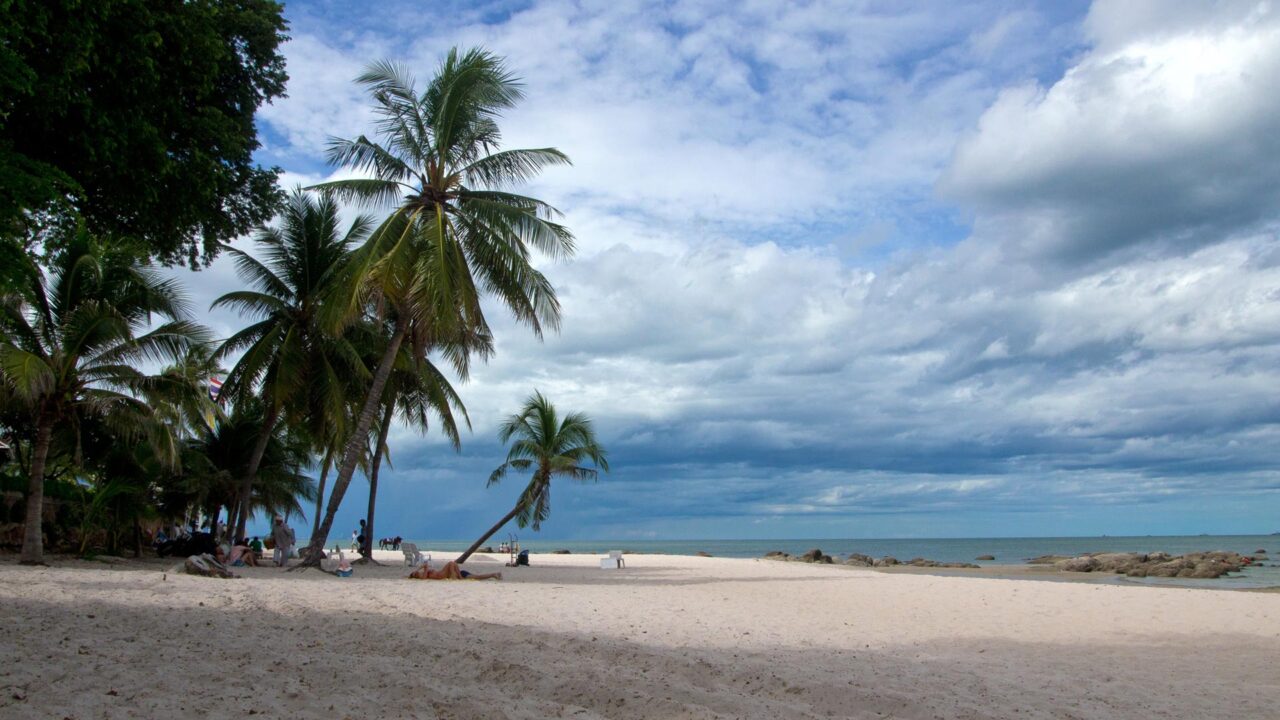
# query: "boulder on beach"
{"points": [[886, 561], [815, 556], [703, 553], [985, 557], [776, 555], [860, 560]]}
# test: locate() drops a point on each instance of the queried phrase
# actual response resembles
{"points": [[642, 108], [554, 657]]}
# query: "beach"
{"points": [[664, 637]]}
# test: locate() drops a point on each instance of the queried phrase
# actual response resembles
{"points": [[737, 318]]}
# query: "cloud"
{"points": [[1151, 142]]}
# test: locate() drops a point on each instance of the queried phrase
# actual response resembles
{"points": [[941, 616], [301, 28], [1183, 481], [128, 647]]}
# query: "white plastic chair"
{"points": [[613, 562], [412, 557], [617, 555]]}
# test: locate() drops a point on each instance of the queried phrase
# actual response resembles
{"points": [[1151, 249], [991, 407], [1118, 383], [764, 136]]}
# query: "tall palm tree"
{"points": [[549, 446], [298, 368], [416, 391], [455, 233], [71, 342]]}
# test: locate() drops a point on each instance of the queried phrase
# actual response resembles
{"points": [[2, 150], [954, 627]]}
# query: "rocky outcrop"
{"points": [[1158, 564], [813, 556], [860, 560], [703, 553], [560, 552], [985, 557], [887, 561]]}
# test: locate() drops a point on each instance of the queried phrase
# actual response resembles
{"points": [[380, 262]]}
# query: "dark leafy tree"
{"points": [[139, 114]]}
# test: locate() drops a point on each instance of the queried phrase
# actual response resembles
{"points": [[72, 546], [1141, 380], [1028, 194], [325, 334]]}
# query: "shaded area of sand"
{"points": [[666, 637]]}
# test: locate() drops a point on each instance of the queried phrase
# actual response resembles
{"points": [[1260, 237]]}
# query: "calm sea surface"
{"points": [[1007, 551]]}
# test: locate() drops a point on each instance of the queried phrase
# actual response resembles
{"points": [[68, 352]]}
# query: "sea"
{"points": [[1007, 551]]}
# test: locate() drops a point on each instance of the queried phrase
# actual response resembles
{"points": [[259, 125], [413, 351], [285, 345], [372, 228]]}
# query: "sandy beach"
{"points": [[666, 637]]}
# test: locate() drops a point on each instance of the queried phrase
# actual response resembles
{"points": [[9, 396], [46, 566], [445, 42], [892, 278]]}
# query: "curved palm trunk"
{"points": [[476, 545], [251, 472], [379, 451], [324, 478], [33, 536], [356, 444]]}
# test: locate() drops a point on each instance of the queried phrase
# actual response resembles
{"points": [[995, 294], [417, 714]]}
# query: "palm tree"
{"points": [[213, 461], [299, 369], [416, 391], [455, 234], [69, 346], [550, 447]]}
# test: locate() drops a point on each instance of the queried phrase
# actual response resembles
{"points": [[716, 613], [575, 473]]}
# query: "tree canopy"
{"points": [[139, 116]]}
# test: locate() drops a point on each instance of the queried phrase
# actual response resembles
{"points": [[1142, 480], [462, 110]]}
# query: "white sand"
{"points": [[667, 637]]}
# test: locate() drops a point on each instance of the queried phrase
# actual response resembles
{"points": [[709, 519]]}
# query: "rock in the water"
{"points": [[1192, 565], [777, 555], [1260, 551], [985, 557], [207, 566], [560, 552], [1047, 560], [703, 553]]}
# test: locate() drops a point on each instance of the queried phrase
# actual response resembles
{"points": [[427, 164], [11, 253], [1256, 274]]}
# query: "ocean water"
{"points": [[1007, 551]]}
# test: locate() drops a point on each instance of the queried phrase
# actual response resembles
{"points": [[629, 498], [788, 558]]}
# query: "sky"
{"points": [[861, 269]]}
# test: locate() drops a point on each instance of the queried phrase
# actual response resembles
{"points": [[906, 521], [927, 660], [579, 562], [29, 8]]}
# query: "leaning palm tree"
{"points": [[297, 368], [70, 345], [456, 232], [550, 446]]}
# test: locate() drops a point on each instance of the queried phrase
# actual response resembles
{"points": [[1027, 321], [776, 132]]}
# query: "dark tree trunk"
{"points": [[324, 477], [137, 538], [33, 535], [383, 430], [356, 444], [251, 473], [476, 545]]}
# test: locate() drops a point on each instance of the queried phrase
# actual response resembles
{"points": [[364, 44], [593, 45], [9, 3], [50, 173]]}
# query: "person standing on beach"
{"points": [[283, 536]]}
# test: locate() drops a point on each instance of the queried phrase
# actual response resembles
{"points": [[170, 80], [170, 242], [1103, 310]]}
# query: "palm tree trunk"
{"points": [[383, 430], [356, 443], [476, 545], [324, 478], [33, 537], [251, 472]]}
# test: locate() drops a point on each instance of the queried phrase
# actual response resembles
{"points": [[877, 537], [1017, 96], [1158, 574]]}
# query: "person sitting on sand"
{"points": [[450, 571], [239, 556]]}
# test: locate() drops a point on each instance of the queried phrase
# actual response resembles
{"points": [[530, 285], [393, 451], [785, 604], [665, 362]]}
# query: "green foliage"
{"points": [[550, 447], [140, 115]]}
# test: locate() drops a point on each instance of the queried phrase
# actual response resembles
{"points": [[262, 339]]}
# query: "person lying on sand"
{"points": [[450, 571]]}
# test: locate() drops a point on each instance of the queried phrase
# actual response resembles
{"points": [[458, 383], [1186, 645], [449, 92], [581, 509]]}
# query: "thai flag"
{"points": [[215, 387]]}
